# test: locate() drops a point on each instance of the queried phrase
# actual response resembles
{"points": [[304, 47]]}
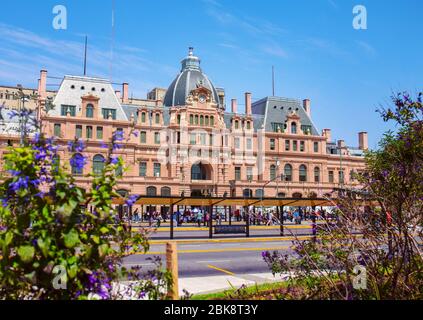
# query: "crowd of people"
{"points": [[201, 217]]}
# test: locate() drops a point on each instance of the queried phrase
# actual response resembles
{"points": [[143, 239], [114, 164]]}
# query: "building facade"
{"points": [[186, 141]]}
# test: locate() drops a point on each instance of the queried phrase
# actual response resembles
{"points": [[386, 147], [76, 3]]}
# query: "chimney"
{"points": [[341, 144], [306, 106], [233, 105], [42, 91], [327, 133], [118, 95], [248, 103], [363, 142], [125, 92]]}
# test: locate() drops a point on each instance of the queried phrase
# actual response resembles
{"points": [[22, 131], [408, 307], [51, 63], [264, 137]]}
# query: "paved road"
{"points": [[215, 258]]}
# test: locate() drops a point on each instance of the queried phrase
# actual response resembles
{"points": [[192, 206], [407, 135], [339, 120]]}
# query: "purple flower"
{"points": [[76, 146], [78, 162], [114, 160], [21, 183], [135, 133], [131, 200], [14, 172]]}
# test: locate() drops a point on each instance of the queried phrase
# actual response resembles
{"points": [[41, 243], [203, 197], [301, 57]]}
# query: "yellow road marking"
{"points": [[218, 250], [222, 270]]}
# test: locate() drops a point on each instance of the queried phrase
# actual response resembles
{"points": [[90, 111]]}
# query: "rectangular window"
{"points": [[236, 142], [157, 137], [237, 173], [306, 129], [316, 147], [249, 144], [249, 173], [302, 146], [277, 127], [78, 131], [143, 137], [157, 118], [57, 130], [143, 117], [272, 144], [157, 168], [99, 133], [211, 141], [89, 132], [192, 138], [331, 176], [287, 145], [248, 125], [341, 176], [294, 145], [106, 112], [143, 169], [203, 139], [66, 108]]}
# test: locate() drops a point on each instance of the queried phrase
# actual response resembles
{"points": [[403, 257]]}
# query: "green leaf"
{"points": [[26, 253], [96, 239], [44, 245], [8, 239], [71, 239], [103, 250]]}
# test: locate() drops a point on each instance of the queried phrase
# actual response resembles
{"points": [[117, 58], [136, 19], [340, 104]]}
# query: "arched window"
{"points": [[165, 192], [191, 119], [196, 119], [98, 164], [212, 121], [272, 172], [297, 195], [236, 124], [293, 127], [259, 193], [316, 174], [281, 195], [77, 162], [288, 172], [201, 120], [143, 117], [178, 119], [303, 173], [207, 120], [199, 172], [157, 118], [247, 193], [151, 191], [90, 111]]}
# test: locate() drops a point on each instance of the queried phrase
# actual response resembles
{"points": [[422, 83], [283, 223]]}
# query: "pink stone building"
{"points": [[188, 142]]}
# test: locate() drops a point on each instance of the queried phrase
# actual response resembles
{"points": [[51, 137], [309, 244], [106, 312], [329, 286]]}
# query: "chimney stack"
{"points": [[125, 94], [118, 95], [306, 106], [234, 106], [248, 103], [42, 88], [363, 142], [327, 133]]}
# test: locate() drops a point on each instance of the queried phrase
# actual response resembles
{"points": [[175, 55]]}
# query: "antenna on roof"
{"points": [[85, 56], [273, 81], [112, 40]]}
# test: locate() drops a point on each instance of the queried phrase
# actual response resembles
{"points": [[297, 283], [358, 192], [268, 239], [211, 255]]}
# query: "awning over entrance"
{"points": [[221, 201]]}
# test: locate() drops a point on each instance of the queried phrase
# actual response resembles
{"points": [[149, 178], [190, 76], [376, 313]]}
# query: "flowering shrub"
{"points": [[60, 241], [371, 252]]}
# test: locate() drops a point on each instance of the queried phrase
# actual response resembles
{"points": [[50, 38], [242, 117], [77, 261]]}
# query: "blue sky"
{"points": [[316, 52]]}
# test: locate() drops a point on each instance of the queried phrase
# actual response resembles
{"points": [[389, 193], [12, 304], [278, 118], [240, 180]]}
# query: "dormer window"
{"points": [[103, 90], [90, 111], [82, 88], [92, 89], [294, 128], [72, 87]]}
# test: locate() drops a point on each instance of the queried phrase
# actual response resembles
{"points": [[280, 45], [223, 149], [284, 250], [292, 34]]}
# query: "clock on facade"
{"points": [[202, 98]]}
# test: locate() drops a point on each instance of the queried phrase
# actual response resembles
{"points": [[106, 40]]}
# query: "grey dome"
{"points": [[188, 79]]}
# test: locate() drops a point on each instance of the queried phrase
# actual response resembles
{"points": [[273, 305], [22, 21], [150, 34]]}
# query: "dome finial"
{"points": [[191, 51]]}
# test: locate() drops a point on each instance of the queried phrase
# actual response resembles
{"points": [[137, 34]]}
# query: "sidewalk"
{"points": [[212, 284]]}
